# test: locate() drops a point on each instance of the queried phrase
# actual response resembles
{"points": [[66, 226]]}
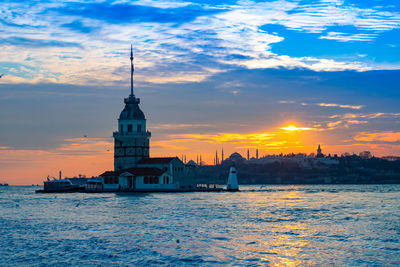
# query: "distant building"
{"points": [[235, 157], [134, 170], [319, 152]]}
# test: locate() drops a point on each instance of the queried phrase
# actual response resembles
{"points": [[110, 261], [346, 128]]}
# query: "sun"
{"points": [[290, 128], [294, 128]]}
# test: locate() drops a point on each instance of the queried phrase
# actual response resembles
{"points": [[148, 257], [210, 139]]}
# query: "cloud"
{"points": [[340, 106], [348, 116], [36, 43], [345, 123], [346, 37], [389, 136], [183, 41], [173, 146], [86, 146], [283, 138], [6, 23], [226, 137], [333, 125], [171, 126], [357, 107], [318, 17], [78, 26]]}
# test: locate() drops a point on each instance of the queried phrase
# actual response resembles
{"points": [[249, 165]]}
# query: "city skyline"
{"points": [[230, 76]]}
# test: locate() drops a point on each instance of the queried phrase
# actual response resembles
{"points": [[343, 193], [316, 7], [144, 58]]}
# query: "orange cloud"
{"points": [[170, 126], [323, 104], [356, 122], [365, 116], [87, 146], [285, 138], [219, 138], [376, 137], [334, 124], [168, 145]]}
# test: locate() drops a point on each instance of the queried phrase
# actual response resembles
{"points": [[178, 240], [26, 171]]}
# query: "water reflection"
{"points": [[285, 238]]}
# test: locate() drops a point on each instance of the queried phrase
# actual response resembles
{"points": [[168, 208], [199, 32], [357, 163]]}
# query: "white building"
{"points": [[152, 174]]}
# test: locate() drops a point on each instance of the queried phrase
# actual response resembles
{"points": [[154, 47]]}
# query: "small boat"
{"points": [[94, 185], [59, 186]]}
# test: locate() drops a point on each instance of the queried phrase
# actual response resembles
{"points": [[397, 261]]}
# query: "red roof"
{"points": [[134, 171], [156, 160]]}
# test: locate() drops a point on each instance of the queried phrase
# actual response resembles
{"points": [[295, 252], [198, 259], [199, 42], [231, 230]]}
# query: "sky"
{"points": [[279, 76]]}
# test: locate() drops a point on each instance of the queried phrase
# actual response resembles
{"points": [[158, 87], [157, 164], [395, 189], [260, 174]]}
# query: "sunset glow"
{"points": [[294, 128]]}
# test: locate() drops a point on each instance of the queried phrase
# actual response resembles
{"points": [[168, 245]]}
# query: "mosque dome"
{"points": [[235, 156], [132, 110], [191, 163]]}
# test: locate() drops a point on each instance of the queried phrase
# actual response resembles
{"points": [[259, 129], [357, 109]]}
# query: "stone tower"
{"points": [[132, 140]]}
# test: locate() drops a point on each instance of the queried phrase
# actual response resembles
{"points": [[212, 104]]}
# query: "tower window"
{"points": [[121, 128], [129, 127], [139, 128]]}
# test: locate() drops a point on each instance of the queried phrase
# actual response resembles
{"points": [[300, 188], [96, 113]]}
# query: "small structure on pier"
{"points": [[233, 184]]}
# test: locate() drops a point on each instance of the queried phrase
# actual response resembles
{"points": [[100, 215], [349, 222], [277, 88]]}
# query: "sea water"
{"points": [[342, 225]]}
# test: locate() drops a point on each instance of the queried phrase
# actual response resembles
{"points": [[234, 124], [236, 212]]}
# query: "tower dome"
{"points": [[131, 110]]}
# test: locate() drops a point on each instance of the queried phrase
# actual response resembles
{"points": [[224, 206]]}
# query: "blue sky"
{"points": [[233, 67]]}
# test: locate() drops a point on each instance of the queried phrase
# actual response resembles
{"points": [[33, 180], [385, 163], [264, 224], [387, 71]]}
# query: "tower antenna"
{"points": [[132, 70]]}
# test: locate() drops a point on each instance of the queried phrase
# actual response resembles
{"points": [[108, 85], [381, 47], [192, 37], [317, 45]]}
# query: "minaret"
{"points": [[257, 153], [222, 156], [200, 160], [216, 157], [132, 140], [248, 154]]}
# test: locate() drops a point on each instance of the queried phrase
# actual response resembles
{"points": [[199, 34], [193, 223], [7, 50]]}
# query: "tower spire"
{"points": [[132, 70]]}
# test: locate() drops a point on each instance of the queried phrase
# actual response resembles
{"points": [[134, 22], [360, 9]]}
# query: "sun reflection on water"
{"points": [[284, 241]]}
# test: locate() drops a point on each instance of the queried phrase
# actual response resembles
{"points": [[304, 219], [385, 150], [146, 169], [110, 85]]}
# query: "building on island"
{"points": [[319, 152], [134, 169]]}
